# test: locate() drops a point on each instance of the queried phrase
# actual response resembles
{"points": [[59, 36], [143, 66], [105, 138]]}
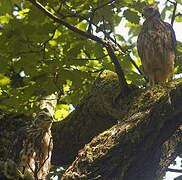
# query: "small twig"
{"points": [[178, 14], [26, 52], [89, 29], [60, 89], [87, 54], [96, 71], [133, 62], [174, 170], [124, 52], [174, 11], [171, 1], [104, 27], [111, 27], [101, 6], [45, 43], [17, 6], [92, 59], [30, 168]]}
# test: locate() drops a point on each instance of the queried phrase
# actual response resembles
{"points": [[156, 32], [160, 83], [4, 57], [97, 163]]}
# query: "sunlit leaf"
{"points": [[5, 19], [57, 34], [24, 12], [52, 42], [178, 19], [4, 80], [62, 111]]}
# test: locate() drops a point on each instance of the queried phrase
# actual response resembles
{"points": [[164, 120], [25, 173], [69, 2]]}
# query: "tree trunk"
{"points": [[140, 134]]}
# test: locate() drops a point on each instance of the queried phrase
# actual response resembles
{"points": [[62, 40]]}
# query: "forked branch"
{"points": [[108, 46]]}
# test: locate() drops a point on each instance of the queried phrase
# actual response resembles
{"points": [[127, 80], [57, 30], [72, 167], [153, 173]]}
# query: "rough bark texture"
{"points": [[94, 114], [132, 149], [142, 140]]}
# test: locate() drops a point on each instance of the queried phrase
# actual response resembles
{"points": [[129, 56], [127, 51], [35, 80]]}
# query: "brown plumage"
{"points": [[35, 157], [156, 46]]}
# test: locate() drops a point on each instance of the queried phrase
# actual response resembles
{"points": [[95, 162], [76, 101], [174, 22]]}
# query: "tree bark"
{"points": [[135, 147], [140, 134], [95, 113]]}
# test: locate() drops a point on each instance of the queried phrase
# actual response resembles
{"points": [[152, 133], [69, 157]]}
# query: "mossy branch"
{"points": [[132, 149]]}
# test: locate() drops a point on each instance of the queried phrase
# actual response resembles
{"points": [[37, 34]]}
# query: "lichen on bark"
{"points": [[134, 145]]}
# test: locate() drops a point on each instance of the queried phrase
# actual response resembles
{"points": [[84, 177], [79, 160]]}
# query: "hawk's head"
{"points": [[150, 11], [43, 119]]}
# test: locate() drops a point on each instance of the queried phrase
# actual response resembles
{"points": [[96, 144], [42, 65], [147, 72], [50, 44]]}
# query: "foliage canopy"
{"points": [[39, 56]]}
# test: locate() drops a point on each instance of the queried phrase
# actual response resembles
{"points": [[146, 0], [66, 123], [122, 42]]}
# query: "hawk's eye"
{"points": [[41, 116], [150, 9]]}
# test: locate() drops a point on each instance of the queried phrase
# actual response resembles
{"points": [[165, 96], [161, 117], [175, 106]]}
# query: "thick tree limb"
{"points": [[169, 151], [132, 149], [140, 147], [95, 113]]}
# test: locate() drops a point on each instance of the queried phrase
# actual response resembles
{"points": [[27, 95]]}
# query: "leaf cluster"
{"points": [[39, 56]]}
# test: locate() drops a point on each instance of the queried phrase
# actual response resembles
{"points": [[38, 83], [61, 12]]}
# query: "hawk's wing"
{"points": [[173, 37]]}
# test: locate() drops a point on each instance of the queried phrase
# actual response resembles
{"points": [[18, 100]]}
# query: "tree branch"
{"points": [[101, 6], [174, 11], [76, 30], [132, 149], [174, 170], [118, 69], [91, 59], [109, 37], [138, 69], [124, 52], [60, 21], [45, 43], [179, 14]]}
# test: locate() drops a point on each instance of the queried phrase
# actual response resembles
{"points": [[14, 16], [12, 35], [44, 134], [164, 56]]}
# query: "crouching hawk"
{"points": [[156, 46], [35, 157]]}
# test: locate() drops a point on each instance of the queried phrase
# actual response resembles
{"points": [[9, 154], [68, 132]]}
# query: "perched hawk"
{"points": [[156, 46], [35, 156]]}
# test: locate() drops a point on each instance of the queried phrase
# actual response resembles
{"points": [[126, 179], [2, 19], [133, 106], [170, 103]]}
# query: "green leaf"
{"points": [[64, 62], [24, 12], [52, 42], [178, 19], [62, 111], [57, 34], [5, 19], [4, 80], [131, 16], [179, 1]]}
